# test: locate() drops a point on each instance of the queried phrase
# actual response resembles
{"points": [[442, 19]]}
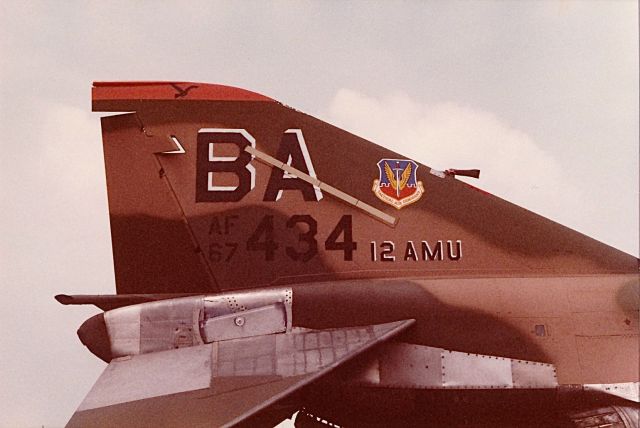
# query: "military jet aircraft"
{"points": [[269, 263]]}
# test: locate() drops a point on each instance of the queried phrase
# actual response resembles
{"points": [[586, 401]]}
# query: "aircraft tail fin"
{"points": [[214, 188]]}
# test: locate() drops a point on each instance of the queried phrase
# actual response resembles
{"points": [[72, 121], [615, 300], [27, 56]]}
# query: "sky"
{"points": [[541, 96]]}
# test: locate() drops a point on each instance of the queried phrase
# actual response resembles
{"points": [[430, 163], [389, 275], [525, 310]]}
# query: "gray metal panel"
{"points": [[409, 366], [169, 324], [475, 371], [252, 322], [627, 390], [530, 374], [154, 326], [285, 354], [151, 375], [245, 357], [123, 327], [296, 353], [403, 365], [241, 301], [174, 323], [179, 309], [369, 374]]}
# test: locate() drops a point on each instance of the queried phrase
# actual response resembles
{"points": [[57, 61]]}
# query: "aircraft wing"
{"points": [[221, 383]]}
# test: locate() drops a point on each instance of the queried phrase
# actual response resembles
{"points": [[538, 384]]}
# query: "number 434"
{"points": [[340, 238]]}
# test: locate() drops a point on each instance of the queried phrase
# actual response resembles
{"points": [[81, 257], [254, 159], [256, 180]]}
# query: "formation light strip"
{"points": [[344, 197]]}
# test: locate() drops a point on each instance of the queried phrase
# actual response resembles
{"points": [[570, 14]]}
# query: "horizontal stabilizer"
{"points": [[222, 383], [106, 302]]}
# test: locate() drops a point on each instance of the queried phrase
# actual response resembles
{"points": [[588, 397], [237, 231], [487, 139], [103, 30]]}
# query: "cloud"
{"points": [[56, 241], [449, 135], [70, 147]]}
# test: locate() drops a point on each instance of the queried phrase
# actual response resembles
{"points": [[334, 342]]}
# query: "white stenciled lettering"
{"points": [[294, 152], [436, 254], [386, 255], [436, 251], [458, 253], [410, 252], [208, 164]]}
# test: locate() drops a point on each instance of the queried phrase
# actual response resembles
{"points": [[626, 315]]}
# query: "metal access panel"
{"points": [[268, 319], [475, 371], [405, 365]]}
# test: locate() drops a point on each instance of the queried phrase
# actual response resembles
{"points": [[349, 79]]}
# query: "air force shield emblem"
{"points": [[398, 185]]}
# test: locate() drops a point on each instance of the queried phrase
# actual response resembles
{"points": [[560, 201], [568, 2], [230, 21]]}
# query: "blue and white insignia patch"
{"points": [[397, 184]]}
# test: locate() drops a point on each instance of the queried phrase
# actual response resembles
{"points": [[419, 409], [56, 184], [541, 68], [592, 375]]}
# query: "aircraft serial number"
{"points": [[262, 240]]}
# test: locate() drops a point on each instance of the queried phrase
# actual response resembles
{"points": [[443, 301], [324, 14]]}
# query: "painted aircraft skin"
{"points": [[214, 189]]}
